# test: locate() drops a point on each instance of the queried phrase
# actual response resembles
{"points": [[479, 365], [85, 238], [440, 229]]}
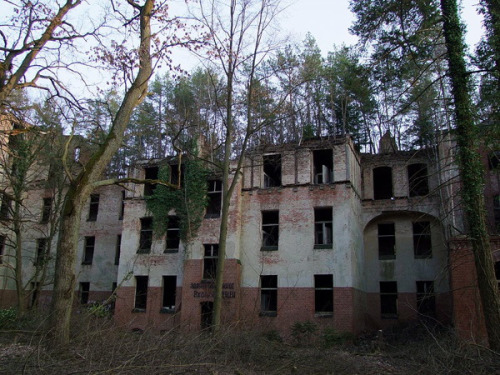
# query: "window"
{"points": [[93, 207], [272, 170], [146, 236], [323, 294], [122, 206], [150, 173], [41, 252], [169, 290], [2, 248], [497, 273], [270, 230], [382, 183], [210, 261], [269, 295], [323, 228], [323, 166], [426, 301], [496, 211], [494, 159], [174, 174], [386, 241], [5, 207], [84, 292], [118, 249], [214, 198], [418, 180], [173, 235], [88, 251], [422, 245], [46, 210], [141, 293], [389, 299]]}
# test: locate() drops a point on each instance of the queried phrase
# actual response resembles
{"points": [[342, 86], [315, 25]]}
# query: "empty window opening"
{"points": [[122, 206], [386, 241], [497, 273], [418, 180], [422, 244], [2, 248], [210, 261], [88, 251], [173, 235], [41, 252], [389, 299], [496, 212], [323, 228], [150, 173], [494, 159], [269, 295], [146, 236], [46, 210], [93, 207], [118, 249], [323, 166], [426, 300], [214, 194], [207, 309], [84, 292], [5, 207], [141, 292], [382, 183], [272, 170], [169, 291], [323, 294], [270, 230]]}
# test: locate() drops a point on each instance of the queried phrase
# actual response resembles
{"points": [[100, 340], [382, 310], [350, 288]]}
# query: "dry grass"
{"points": [[100, 348]]}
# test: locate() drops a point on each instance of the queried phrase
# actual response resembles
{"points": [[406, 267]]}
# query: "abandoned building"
{"points": [[317, 232]]}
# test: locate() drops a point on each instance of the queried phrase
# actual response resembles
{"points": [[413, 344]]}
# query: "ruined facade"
{"points": [[317, 232]]}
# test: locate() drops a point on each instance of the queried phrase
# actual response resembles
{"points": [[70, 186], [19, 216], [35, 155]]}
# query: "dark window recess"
{"points": [[214, 194], [269, 295], [422, 244], [323, 228], [2, 248], [496, 212], [84, 292], [122, 206], [93, 207], [323, 293], [88, 251], [382, 183], [174, 174], [210, 261], [418, 181], [207, 309], [173, 235], [141, 292], [270, 230], [494, 159], [146, 236], [426, 300], [169, 290], [5, 207], [389, 299], [114, 285], [497, 273], [35, 288], [150, 173], [323, 166], [118, 249], [41, 252], [272, 170], [46, 210], [386, 241]]}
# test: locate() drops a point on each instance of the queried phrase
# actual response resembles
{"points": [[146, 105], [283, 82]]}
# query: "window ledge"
{"points": [[143, 251], [86, 263], [171, 251], [325, 314], [268, 313], [167, 310], [137, 310], [325, 246], [269, 248], [423, 256], [387, 257]]}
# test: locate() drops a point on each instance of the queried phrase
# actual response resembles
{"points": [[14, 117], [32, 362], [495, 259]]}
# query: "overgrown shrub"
{"points": [[8, 318], [330, 337], [303, 332]]}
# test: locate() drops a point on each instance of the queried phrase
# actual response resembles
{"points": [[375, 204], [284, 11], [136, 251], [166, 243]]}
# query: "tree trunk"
{"points": [[471, 172]]}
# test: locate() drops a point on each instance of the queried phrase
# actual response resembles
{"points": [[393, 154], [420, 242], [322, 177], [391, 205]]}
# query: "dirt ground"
{"points": [[98, 347]]}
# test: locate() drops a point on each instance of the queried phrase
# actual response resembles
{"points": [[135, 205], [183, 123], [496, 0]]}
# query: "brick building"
{"points": [[317, 232]]}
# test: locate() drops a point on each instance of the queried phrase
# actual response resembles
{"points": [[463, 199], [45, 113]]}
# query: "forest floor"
{"points": [[97, 347]]}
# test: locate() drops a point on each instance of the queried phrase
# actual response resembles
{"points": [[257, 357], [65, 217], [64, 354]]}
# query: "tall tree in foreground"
{"points": [[471, 172]]}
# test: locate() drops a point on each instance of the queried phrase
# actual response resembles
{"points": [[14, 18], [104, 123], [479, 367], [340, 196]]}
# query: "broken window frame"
{"points": [[388, 299], [323, 166], [271, 170], [268, 295], [386, 234], [426, 298], [93, 207], [418, 180], [141, 293], [146, 235], [150, 173], [173, 235], [84, 291], [382, 183], [169, 293], [422, 239], [46, 210], [88, 250], [323, 228], [270, 230], [210, 259], [323, 295], [214, 194]]}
